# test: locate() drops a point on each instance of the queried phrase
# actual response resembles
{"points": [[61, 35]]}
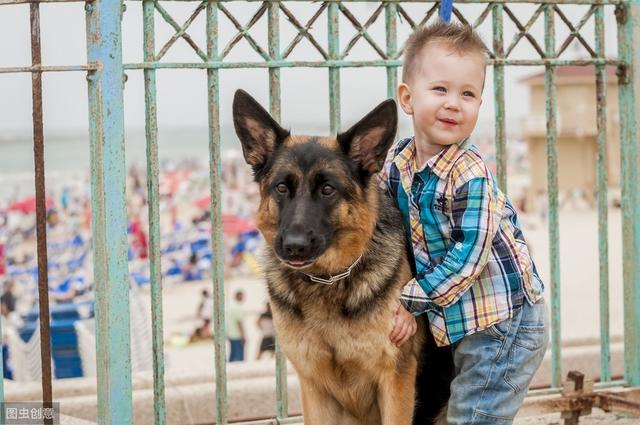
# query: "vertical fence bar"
{"points": [[282, 398], [334, 71], [498, 97], [108, 201], [552, 187], [391, 21], [628, 16], [41, 211], [603, 221], [153, 195], [215, 171]]}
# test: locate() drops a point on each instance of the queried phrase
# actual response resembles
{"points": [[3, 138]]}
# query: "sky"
{"points": [[182, 94]]}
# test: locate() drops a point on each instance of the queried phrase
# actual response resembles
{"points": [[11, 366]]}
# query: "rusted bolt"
{"points": [[91, 76], [125, 77], [88, 7], [622, 72], [621, 14]]}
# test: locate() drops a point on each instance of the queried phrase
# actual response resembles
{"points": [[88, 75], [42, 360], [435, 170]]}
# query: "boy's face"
{"points": [[443, 95]]}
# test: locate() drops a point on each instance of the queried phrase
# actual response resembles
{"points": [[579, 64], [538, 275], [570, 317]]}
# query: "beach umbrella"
{"points": [[28, 205], [203, 202], [234, 225]]}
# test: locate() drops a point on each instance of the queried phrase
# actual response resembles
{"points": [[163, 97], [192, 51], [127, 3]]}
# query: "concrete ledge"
{"points": [[250, 388], [585, 359], [68, 420], [72, 387], [196, 403]]}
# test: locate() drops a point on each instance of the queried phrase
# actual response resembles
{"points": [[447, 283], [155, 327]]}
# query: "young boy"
{"points": [[474, 276]]}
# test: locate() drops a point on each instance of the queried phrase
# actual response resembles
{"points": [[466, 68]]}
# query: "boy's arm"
{"points": [[476, 213]]}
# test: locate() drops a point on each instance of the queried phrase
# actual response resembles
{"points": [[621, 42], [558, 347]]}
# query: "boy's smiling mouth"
{"points": [[448, 121]]}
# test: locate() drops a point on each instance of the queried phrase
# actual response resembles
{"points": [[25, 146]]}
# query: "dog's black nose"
{"points": [[297, 245]]}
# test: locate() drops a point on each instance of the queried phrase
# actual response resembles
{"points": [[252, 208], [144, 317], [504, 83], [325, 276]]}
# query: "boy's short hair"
{"points": [[460, 37]]}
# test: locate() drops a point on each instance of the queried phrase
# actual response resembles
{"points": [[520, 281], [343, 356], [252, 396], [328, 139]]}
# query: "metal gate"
{"points": [[105, 82]]}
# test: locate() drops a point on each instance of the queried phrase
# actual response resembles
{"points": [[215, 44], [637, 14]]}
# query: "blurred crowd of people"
{"points": [[185, 234]]}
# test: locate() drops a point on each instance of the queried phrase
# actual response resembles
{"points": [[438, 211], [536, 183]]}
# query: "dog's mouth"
{"points": [[297, 264]]}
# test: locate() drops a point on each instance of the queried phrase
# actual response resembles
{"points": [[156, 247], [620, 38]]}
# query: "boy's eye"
{"points": [[440, 88], [468, 94]]}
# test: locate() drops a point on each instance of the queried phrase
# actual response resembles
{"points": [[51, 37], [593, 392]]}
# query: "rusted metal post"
{"points": [[498, 98], [334, 71], [215, 173], [551, 105], [282, 397], [41, 211], [153, 196], [603, 223], [628, 17]]}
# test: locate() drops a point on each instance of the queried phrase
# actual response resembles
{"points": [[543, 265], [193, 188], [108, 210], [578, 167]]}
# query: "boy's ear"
{"points": [[404, 98], [258, 132], [368, 141]]}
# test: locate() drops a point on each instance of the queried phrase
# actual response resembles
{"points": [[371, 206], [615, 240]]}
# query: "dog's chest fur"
{"points": [[338, 334]]}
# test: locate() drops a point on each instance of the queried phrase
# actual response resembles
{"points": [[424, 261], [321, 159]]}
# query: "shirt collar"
{"points": [[440, 164], [405, 161]]}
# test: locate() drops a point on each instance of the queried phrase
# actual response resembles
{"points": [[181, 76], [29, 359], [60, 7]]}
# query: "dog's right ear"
{"points": [[258, 132], [368, 141]]}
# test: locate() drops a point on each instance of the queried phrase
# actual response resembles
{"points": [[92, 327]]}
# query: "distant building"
{"points": [[577, 133]]}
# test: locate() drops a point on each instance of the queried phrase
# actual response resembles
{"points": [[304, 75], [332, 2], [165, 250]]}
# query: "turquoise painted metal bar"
{"points": [[153, 195], [575, 31], [303, 31], [628, 42], [552, 188], [353, 64], [298, 64], [108, 174], [334, 71], [603, 220], [498, 98], [282, 398], [243, 31], [361, 30], [215, 172], [180, 31], [391, 20]]}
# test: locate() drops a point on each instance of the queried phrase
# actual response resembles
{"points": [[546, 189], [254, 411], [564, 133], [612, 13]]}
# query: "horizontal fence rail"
{"points": [[105, 83]]}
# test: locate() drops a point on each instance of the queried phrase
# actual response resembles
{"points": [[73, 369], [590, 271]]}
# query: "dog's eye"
{"points": [[282, 188], [328, 190]]}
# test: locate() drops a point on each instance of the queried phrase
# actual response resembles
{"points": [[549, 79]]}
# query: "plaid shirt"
{"points": [[472, 265]]}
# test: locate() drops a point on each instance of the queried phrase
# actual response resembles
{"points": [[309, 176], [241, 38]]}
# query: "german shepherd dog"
{"points": [[335, 265]]}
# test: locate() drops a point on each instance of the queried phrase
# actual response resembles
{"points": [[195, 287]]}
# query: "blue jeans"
{"points": [[237, 350], [493, 368]]}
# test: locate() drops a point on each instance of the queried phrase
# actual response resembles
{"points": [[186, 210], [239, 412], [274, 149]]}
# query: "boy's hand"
{"points": [[404, 326]]}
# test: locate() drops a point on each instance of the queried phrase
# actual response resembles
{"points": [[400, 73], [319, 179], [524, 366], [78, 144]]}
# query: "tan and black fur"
{"points": [[320, 210]]}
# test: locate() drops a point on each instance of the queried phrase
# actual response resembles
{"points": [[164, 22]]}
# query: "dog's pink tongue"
{"points": [[296, 262]]}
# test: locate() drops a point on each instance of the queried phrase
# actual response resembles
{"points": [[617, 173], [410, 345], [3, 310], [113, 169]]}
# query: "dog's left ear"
{"points": [[258, 132], [368, 141]]}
